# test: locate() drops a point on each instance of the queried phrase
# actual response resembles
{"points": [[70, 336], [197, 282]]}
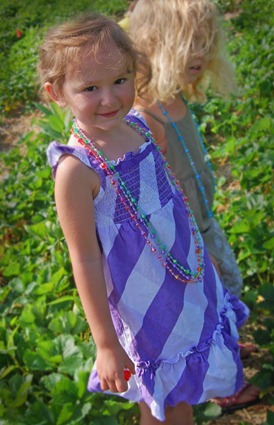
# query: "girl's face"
{"points": [[100, 91], [197, 62]]}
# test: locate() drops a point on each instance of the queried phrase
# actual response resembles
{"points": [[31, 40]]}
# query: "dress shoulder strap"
{"points": [[152, 115]]}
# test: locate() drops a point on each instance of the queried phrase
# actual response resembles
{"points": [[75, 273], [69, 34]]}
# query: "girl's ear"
{"points": [[54, 94]]}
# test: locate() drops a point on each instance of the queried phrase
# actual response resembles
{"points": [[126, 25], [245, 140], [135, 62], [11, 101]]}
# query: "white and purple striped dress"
{"points": [[181, 337]]}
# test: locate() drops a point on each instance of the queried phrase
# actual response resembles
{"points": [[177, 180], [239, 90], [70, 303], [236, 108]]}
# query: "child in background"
{"points": [[184, 44], [162, 322]]}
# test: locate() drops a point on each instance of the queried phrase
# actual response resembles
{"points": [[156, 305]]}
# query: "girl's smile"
{"points": [[109, 114], [195, 68]]}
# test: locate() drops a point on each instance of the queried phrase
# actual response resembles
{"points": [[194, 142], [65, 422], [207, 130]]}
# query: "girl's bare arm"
{"points": [[75, 188]]}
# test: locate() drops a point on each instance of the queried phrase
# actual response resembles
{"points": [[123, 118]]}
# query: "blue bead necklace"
{"points": [[187, 152]]}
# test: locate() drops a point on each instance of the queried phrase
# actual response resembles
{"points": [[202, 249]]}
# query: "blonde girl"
{"points": [[184, 44]]}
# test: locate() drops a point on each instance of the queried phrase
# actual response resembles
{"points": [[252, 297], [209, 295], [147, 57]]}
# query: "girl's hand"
{"points": [[110, 365]]}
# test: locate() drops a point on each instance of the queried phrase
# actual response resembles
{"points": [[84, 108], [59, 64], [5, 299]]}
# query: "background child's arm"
{"points": [[158, 131], [156, 127], [75, 187], [215, 263]]}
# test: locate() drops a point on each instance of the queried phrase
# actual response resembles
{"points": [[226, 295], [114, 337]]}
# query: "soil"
{"points": [[11, 131], [256, 414], [15, 127]]}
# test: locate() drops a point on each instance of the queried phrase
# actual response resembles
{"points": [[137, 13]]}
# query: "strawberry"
{"points": [[127, 375]]}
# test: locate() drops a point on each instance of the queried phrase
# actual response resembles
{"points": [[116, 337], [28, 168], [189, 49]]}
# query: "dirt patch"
{"points": [[12, 130], [256, 414], [253, 415], [15, 127]]}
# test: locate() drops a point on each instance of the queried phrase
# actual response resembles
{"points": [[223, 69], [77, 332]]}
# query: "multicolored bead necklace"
{"points": [[187, 152], [130, 204]]}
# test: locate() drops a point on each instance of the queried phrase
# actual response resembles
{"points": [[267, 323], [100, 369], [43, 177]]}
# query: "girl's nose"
{"points": [[108, 96], [199, 54]]}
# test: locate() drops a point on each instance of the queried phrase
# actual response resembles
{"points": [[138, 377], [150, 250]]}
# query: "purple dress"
{"points": [[181, 337]]}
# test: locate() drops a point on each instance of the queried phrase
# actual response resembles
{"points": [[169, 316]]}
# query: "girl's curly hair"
{"points": [[167, 31]]}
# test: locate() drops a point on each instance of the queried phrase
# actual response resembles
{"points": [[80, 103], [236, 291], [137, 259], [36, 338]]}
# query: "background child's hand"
{"points": [[110, 365]]}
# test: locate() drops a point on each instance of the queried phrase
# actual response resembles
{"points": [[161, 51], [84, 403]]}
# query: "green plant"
{"points": [[56, 122]]}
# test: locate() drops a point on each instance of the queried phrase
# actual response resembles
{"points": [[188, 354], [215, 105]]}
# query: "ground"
{"points": [[14, 127], [253, 415], [18, 125]]}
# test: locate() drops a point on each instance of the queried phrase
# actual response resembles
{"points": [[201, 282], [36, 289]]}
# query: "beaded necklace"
{"points": [[140, 220], [187, 152]]}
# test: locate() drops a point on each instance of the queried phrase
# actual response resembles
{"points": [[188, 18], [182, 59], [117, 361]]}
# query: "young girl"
{"points": [[184, 44], [164, 327]]}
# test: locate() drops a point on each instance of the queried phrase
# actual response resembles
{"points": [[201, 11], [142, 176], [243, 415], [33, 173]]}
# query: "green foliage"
{"points": [[243, 128], [45, 345], [264, 335], [56, 122], [226, 6]]}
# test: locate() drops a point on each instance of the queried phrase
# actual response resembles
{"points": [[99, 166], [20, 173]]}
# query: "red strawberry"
{"points": [[19, 33], [127, 375]]}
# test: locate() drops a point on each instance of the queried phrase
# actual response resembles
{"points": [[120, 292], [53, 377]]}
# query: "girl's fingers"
{"points": [[104, 385], [121, 385], [115, 386], [131, 368]]}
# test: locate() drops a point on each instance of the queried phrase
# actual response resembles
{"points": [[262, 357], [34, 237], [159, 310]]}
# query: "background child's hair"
{"points": [[167, 30], [63, 48]]}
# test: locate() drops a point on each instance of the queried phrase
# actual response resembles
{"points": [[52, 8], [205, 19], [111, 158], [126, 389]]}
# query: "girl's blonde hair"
{"points": [[167, 32], [64, 45]]}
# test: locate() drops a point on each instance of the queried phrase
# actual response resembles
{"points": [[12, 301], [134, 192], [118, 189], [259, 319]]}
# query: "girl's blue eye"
{"points": [[91, 88], [120, 81]]}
